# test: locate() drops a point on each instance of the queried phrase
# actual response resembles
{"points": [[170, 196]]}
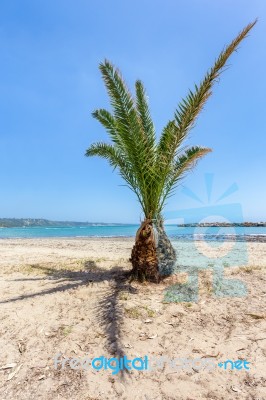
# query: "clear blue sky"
{"points": [[50, 84]]}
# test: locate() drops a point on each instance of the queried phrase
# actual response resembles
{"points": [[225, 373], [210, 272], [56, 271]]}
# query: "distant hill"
{"points": [[34, 222]]}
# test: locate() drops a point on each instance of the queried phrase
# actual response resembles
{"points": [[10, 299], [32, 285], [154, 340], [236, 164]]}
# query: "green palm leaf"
{"points": [[153, 170], [183, 164], [191, 106]]}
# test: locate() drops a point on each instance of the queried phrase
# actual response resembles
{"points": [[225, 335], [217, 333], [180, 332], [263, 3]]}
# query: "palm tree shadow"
{"points": [[110, 315], [108, 311]]}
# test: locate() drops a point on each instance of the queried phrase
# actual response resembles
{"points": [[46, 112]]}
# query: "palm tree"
{"points": [[153, 168]]}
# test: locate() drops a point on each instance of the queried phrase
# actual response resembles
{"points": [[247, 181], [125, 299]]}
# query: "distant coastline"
{"points": [[40, 222]]}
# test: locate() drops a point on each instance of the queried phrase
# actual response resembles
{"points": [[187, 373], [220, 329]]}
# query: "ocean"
{"points": [[176, 233]]}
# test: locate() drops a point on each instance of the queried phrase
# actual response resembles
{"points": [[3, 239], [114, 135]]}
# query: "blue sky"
{"points": [[50, 84]]}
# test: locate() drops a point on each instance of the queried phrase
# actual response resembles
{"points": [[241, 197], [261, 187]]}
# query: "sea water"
{"points": [[173, 231]]}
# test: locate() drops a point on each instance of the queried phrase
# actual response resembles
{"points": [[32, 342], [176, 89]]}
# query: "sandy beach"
{"points": [[70, 296]]}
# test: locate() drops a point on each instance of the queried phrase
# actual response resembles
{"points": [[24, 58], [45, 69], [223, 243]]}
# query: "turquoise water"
{"points": [[187, 233]]}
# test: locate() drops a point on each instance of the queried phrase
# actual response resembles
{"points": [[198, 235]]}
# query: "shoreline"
{"points": [[256, 238]]}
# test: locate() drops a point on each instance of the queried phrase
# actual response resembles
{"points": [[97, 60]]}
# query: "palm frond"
{"points": [[145, 116], [183, 164], [107, 151], [191, 106], [129, 116], [117, 160], [127, 126], [153, 170], [109, 123]]}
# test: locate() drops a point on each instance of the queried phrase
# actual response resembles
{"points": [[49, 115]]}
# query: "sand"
{"points": [[70, 296]]}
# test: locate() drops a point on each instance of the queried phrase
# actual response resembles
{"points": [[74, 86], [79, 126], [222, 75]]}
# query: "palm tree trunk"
{"points": [[165, 252], [144, 257], [153, 256]]}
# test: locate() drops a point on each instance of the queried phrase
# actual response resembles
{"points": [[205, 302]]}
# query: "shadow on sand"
{"points": [[108, 311]]}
